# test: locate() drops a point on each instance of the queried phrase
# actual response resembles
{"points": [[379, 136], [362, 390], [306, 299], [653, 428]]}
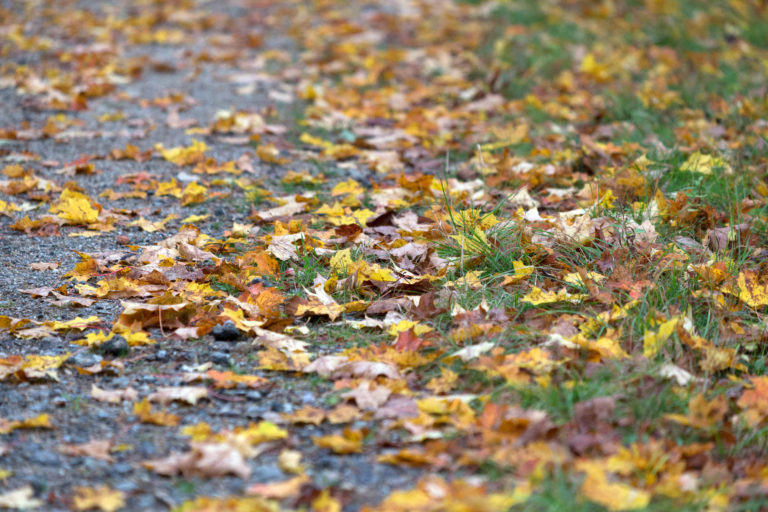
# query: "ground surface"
{"points": [[413, 255]]}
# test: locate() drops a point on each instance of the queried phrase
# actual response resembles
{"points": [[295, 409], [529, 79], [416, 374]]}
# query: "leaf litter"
{"points": [[383, 256]]}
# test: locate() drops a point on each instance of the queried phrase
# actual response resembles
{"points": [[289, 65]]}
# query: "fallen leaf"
{"points": [[20, 499], [188, 394], [101, 498]]}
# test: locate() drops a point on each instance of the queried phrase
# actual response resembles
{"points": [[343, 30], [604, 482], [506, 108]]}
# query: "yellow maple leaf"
{"points": [[270, 154], [193, 193], [334, 210], [195, 218], [102, 498], [180, 155], [326, 503], [404, 325], [8, 208], [538, 296], [198, 432], [145, 414], [347, 187], [76, 208], [261, 432], [76, 323], [445, 382], [750, 290], [371, 272], [615, 496], [168, 188], [704, 164], [341, 261], [590, 66], [40, 367], [151, 227], [520, 272], [40, 421], [652, 340], [350, 442], [274, 359]]}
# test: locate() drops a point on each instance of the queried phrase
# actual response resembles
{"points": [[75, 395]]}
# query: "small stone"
{"points": [[44, 457], [221, 358], [281, 407], [116, 347], [329, 478], [145, 502], [126, 485], [254, 411], [122, 468], [228, 410], [308, 398], [264, 281], [120, 382], [104, 414], [226, 332], [147, 449], [254, 395], [39, 485], [267, 473], [85, 359], [161, 355]]}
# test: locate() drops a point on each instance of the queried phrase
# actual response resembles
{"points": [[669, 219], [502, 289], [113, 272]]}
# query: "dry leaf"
{"points": [[187, 394]]}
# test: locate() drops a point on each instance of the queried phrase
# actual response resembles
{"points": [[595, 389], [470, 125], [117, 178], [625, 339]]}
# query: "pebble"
{"points": [[39, 484], [161, 355], [147, 449], [328, 478], [228, 410], [254, 395], [221, 358], [145, 502], [122, 468], [308, 397], [254, 411], [85, 359], [116, 347], [120, 382], [263, 281], [127, 486], [267, 473], [281, 407], [40, 455], [225, 332]]}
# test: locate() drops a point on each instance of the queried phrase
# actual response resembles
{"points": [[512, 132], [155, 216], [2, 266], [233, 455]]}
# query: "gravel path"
{"points": [[158, 91]]}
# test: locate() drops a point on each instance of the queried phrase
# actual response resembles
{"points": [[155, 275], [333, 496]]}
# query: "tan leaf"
{"points": [[204, 460], [367, 398], [22, 498], [188, 394], [114, 396], [42, 265], [279, 490], [102, 498], [98, 449]]}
